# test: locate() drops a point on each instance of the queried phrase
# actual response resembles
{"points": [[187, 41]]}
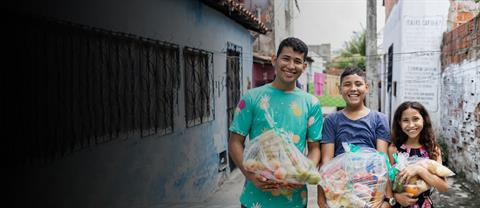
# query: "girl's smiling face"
{"points": [[411, 123]]}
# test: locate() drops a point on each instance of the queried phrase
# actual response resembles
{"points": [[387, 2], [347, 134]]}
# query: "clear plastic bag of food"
{"points": [[356, 178], [416, 185], [275, 157]]}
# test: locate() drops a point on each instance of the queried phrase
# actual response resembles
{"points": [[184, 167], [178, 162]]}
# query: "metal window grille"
{"points": [[84, 86], [198, 65], [234, 71]]}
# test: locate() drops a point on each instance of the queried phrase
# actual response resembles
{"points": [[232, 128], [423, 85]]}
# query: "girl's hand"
{"points": [[385, 205], [405, 199], [409, 172]]}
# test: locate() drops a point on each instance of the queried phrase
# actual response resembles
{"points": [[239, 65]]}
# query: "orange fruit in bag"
{"points": [[280, 174], [413, 189]]}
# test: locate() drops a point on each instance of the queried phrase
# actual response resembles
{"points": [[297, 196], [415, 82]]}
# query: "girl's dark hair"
{"points": [[353, 70], [427, 138]]}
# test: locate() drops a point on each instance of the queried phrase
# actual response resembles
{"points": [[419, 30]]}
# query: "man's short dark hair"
{"points": [[353, 70], [296, 44]]}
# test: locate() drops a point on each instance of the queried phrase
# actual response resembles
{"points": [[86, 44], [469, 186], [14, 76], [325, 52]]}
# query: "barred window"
{"points": [[198, 86], [86, 86]]}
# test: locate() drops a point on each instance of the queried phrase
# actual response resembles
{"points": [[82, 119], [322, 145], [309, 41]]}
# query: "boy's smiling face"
{"points": [[353, 89]]}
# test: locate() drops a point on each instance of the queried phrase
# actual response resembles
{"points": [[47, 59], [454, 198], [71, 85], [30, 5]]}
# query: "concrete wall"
{"points": [[142, 172], [392, 36], [283, 20], [415, 29], [263, 44], [388, 7], [460, 101], [461, 117]]}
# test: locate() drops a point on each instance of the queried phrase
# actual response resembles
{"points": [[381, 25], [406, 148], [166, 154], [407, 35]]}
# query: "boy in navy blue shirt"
{"points": [[356, 124]]}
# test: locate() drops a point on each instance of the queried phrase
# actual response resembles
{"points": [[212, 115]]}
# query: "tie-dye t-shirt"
{"points": [[296, 112]]}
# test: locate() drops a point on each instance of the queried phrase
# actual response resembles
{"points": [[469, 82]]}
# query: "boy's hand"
{"points": [[405, 199]]}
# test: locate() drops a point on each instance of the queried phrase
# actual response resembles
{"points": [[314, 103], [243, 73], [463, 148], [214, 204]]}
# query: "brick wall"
{"points": [[462, 43], [460, 99]]}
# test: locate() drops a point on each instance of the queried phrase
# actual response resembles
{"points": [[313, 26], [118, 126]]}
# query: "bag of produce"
{"points": [[356, 178], [275, 157], [416, 185]]}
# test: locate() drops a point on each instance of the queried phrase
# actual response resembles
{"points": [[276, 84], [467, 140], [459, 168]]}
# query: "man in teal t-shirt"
{"points": [[296, 112]]}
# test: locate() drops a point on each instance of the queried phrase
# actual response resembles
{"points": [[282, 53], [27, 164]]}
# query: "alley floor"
{"points": [[461, 194]]}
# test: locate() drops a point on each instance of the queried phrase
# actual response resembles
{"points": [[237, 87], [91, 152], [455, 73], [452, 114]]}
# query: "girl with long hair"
{"points": [[412, 132]]}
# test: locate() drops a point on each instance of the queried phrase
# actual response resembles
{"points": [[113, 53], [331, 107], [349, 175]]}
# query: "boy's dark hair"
{"points": [[353, 70], [427, 138], [296, 44]]}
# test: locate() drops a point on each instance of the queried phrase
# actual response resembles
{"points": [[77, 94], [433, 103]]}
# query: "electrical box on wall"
{"points": [[222, 161]]}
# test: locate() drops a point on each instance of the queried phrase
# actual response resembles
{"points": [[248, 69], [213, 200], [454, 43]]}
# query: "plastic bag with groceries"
{"points": [[274, 156], [356, 178], [416, 185]]}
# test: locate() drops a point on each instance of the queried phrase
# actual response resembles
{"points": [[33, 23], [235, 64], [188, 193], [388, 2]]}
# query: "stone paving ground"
{"points": [[461, 194]]}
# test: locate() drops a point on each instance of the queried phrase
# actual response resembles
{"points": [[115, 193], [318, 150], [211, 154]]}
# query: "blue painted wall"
{"points": [[143, 172]]}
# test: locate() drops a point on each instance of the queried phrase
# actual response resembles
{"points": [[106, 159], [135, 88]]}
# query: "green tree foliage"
{"points": [[353, 54]]}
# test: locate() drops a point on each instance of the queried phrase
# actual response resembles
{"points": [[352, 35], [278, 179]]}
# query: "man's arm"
{"points": [[314, 152], [235, 148], [327, 151]]}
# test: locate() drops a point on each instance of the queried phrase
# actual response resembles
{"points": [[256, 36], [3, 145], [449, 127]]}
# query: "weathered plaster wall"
{"points": [[461, 117], [460, 98]]}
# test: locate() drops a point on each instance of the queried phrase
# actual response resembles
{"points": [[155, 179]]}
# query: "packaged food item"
{"points": [[274, 156], [356, 178], [416, 185]]}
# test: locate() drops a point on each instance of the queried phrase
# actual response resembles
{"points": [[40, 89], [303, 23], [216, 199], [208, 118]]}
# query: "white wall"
{"points": [[415, 27], [283, 20], [392, 35]]}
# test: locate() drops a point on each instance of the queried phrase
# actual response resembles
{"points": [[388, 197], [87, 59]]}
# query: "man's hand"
{"points": [[405, 199], [261, 182], [292, 186]]}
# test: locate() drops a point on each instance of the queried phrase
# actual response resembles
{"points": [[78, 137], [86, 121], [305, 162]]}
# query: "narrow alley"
{"points": [[131, 104]]}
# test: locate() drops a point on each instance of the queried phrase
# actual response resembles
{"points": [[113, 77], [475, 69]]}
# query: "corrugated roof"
{"points": [[238, 13]]}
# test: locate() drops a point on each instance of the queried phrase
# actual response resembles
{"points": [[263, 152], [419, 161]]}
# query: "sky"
{"points": [[333, 21]]}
